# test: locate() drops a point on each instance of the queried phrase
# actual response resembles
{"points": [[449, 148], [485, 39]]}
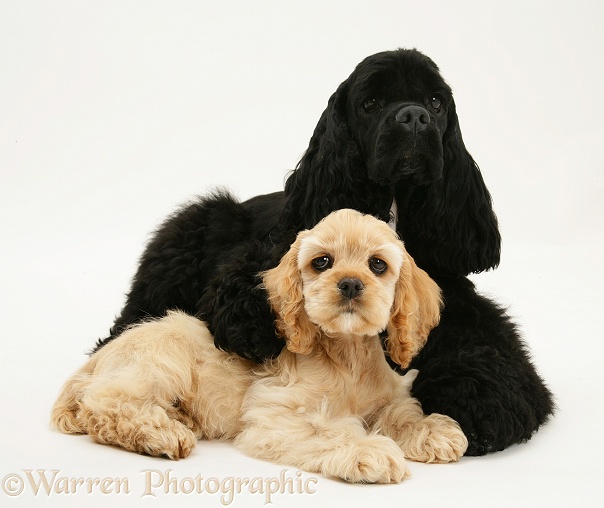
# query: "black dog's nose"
{"points": [[350, 287], [413, 118]]}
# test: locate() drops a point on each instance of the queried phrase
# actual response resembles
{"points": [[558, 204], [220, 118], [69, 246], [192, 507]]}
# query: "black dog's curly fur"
{"points": [[390, 132]]}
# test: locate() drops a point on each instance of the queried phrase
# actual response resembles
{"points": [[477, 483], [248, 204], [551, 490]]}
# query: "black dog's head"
{"points": [[390, 131], [396, 107]]}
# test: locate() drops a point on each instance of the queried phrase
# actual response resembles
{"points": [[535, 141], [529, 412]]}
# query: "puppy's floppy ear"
{"points": [[452, 228], [416, 310], [284, 286]]}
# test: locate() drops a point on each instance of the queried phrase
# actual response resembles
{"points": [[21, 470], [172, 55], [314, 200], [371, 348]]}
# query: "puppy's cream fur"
{"points": [[329, 403]]}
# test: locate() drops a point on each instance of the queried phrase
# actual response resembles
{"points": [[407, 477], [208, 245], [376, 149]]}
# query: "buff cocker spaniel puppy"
{"points": [[329, 403]]}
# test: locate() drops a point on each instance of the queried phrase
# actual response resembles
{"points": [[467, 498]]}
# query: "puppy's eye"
{"points": [[370, 105], [377, 266], [436, 102], [322, 263]]}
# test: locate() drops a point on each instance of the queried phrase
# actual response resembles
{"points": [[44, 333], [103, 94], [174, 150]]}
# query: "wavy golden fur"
{"points": [[329, 403]]}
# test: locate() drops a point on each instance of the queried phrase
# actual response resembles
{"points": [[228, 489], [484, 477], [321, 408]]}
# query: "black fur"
{"points": [[390, 131], [476, 369]]}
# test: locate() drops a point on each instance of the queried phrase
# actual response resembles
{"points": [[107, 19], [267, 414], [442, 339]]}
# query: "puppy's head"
{"points": [[351, 275]]}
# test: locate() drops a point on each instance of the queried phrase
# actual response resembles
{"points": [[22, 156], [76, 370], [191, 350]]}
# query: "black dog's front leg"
{"points": [[476, 369], [236, 308]]}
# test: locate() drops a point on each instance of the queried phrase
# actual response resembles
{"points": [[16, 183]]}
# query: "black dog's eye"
{"points": [[436, 102], [322, 263], [377, 266], [370, 105]]}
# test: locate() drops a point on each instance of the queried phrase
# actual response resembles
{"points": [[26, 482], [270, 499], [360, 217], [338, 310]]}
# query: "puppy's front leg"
{"points": [[317, 442], [423, 438]]}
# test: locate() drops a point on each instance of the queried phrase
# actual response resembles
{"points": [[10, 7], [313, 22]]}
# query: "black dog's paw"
{"points": [[243, 322], [492, 412], [487, 429], [479, 444], [480, 435], [236, 308]]}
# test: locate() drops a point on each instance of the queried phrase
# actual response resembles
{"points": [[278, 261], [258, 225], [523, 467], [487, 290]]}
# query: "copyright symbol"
{"points": [[12, 485]]}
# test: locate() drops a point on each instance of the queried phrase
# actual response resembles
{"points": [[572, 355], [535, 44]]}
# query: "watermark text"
{"points": [[156, 483]]}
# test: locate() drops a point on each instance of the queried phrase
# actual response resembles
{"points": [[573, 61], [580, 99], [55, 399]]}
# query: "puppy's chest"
{"points": [[364, 396], [353, 393]]}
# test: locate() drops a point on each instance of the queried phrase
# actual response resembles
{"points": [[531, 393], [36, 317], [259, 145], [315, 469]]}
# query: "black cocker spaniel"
{"points": [[389, 144]]}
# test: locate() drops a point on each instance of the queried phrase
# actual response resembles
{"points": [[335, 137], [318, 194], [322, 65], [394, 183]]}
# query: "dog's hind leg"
{"points": [[110, 411], [64, 414], [113, 416], [157, 390]]}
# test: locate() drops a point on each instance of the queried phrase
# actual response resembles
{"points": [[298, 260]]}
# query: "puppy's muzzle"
{"points": [[413, 118], [350, 287]]}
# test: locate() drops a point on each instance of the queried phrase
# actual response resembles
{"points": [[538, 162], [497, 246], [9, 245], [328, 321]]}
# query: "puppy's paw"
{"points": [[378, 460], [173, 443], [67, 422], [436, 438]]}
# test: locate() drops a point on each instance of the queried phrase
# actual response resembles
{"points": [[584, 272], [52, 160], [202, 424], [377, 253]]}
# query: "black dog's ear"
{"points": [[331, 174], [318, 181], [451, 228]]}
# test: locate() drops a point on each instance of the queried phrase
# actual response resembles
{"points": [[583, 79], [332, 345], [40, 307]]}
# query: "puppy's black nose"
{"points": [[350, 287], [413, 118]]}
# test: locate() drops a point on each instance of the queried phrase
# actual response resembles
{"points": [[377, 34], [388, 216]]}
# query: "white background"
{"points": [[112, 113]]}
